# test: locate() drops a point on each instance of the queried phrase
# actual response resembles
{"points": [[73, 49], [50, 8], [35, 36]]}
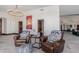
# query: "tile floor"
{"points": [[71, 44], [7, 44]]}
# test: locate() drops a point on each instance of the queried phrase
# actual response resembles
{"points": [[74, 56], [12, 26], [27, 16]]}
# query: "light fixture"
{"points": [[15, 12]]}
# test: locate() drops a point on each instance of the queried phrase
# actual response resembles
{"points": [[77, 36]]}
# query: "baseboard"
{"points": [[9, 33]]}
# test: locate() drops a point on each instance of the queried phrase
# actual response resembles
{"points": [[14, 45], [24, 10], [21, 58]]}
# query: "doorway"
{"points": [[61, 27], [0, 25], [77, 27], [41, 26], [20, 26]]}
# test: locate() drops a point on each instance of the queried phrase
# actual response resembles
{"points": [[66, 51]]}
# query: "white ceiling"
{"points": [[69, 10], [64, 9], [22, 7]]}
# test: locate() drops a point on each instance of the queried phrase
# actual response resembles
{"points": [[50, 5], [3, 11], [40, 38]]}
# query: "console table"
{"points": [[36, 43]]}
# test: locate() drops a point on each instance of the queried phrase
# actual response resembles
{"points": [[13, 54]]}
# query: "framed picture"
{"points": [[28, 22]]}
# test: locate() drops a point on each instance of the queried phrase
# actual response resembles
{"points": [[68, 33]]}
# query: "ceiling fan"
{"points": [[15, 11]]}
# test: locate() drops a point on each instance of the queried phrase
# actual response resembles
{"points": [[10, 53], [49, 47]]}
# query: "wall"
{"points": [[50, 16], [4, 26], [67, 20], [11, 23]]}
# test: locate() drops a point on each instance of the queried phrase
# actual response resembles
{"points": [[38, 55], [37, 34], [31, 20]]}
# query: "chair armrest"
{"points": [[44, 38], [59, 46], [16, 37]]}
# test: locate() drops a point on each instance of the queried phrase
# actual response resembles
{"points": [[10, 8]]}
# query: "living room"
{"points": [[36, 29], [19, 18]]}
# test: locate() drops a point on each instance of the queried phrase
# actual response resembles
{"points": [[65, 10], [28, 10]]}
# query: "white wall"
{"points": [[67, 20], [50, 16], [11, 23], [4, 26]]}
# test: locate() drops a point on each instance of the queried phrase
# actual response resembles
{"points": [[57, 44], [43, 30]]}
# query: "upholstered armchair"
{"points": [[22, 38], [54, 43]]}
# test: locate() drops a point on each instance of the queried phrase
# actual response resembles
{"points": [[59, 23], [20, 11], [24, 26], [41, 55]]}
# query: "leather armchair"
{"points": [[21, 38], [53, 47]]}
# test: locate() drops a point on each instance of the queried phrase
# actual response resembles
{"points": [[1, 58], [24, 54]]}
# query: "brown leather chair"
{"points": [[55, 47], [20, 41]]}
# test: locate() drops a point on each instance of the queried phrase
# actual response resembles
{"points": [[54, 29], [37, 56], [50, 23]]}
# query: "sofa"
{"points": [[75, 32]]}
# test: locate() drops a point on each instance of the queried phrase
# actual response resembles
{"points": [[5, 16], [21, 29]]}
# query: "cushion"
{"points": [[24, 34], [54, 36]]}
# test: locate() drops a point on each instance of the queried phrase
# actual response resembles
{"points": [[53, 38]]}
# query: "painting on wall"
{"points": [[29, 22]]}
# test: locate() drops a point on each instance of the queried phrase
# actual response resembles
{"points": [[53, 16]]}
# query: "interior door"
{"points": [[77, 27], [20, 26], [41, 26], [61, 27], [0, 26]]}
